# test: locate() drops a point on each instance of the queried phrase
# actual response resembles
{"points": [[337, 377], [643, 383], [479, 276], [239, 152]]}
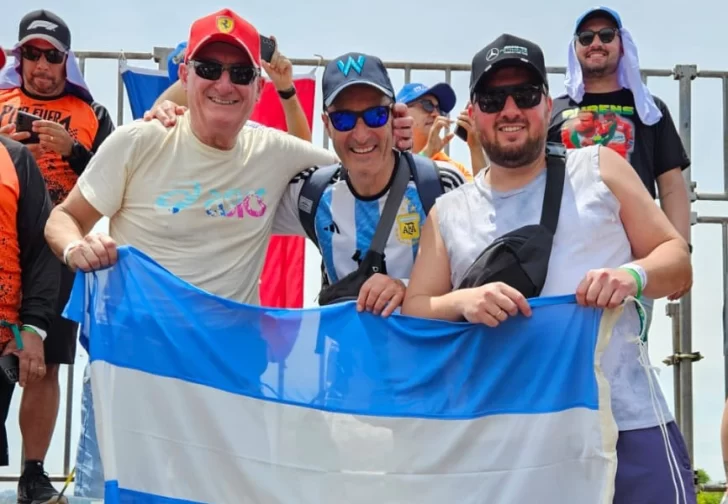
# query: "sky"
{"points": [[666, 34]]}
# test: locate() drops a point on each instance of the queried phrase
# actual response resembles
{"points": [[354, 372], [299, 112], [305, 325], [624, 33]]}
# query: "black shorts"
{"points": [[6, 396], [60, 345]]}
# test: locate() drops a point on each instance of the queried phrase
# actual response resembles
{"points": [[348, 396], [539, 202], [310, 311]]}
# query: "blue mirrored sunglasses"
{"points": [[373, 117]]}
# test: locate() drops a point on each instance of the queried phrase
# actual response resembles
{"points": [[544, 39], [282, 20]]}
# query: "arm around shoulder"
{"points": [[294, 155], [174, 93], [656, 244]]}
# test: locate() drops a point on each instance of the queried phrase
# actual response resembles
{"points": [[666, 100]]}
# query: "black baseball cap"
{"points": [[355, 68], [45, 25], [508, 50]]}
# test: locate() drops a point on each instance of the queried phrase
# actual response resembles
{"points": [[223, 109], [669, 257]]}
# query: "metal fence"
{"points": [[683, 355]]}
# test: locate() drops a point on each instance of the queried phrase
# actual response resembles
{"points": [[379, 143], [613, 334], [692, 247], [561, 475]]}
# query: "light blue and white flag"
{"points": [[201, 399]]}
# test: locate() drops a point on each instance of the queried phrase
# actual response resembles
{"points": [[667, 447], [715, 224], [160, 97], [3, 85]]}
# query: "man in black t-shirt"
{"points": [[606, 103]]}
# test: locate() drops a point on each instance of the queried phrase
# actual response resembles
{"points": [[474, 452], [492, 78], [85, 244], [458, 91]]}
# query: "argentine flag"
{"points": [[201, 399]]}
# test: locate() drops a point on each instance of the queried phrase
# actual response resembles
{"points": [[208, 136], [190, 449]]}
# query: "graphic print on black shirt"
{"points": [[611, 120]]}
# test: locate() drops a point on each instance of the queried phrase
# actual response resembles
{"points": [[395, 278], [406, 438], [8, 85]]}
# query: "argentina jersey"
{"points": [[345, 223]]}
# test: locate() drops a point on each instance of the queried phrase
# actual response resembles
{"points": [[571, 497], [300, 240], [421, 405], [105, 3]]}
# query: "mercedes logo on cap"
{"points": [[492, 54]]}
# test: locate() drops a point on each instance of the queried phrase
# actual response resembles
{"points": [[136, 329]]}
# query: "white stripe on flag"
{"points": [[203, 444]]}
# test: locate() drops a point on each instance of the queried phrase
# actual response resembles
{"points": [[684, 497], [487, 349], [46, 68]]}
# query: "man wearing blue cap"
{"points": [[428, 106], [607, 103]]}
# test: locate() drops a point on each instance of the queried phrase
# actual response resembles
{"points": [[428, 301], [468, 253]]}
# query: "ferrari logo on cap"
{"points": [[225, 24]]}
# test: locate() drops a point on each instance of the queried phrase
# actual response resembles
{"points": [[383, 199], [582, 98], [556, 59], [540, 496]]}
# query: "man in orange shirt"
{"points": [[45, 81], [29, 273]]}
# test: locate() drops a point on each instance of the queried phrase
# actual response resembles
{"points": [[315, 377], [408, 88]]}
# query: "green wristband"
{"points": [[637, 279], [30, 329]]}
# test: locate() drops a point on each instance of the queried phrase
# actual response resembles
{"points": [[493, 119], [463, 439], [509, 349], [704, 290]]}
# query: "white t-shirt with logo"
{"points": [[205, 214]]}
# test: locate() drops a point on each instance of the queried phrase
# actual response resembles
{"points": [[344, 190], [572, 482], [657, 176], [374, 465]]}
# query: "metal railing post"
{"points": [[724, 229], [685, 75]]}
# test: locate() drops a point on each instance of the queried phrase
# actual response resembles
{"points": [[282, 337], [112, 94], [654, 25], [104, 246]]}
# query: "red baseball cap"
{"points": [[3, 59], [224, 26]]}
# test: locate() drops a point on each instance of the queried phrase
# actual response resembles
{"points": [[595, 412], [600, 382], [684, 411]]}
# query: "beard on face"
{"points": [[597, 70], [40, 86], [514, 156]]}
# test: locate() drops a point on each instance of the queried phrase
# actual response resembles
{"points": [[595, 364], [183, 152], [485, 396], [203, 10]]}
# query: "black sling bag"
{"points": [[520, 258]]}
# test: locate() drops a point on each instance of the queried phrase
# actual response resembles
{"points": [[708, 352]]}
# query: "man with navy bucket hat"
{"points": [[606, 103], [429, 106]]}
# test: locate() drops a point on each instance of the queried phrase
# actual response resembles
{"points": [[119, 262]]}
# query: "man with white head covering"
{"points": [[64, 130], [607, 103]]}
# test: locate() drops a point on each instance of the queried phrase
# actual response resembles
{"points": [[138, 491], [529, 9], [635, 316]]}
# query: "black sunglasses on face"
{"points": [[428, 106], [240, 73], [606, 35], [492, 101], [52, 56]]}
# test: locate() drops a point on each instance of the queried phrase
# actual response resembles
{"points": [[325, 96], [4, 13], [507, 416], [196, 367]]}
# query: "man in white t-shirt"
{"points": [[198, 197]]}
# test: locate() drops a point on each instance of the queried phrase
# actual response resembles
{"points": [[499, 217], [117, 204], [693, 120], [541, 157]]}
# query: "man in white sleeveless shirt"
{"points": [[607, 221]]}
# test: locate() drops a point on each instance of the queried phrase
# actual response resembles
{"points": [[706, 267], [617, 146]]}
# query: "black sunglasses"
{"points": [[240, 74], [373, 117], [52, 56], [428, 106], [606, 35], [493, 100]]}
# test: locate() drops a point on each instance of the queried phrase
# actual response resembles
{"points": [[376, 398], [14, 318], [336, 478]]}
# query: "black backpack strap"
{"points": [[391, 206], [555, 174], [310, 195], [426, 175]]}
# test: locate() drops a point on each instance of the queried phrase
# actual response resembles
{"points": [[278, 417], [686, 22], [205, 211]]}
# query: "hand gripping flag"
{"points": [[283, 272], [190, 408]]}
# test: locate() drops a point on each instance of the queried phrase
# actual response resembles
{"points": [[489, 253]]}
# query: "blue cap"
{"points": [[442, 91], [605, 11], [354, 68], [174, 58]]}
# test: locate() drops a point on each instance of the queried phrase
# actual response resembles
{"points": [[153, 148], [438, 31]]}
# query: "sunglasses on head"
{"points": [[373, 117], [241, 74], [606, 35], [52, 56], [428, 106], [493, 100]]}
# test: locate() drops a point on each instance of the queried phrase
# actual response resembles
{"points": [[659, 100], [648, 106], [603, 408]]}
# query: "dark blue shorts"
{"points": [[643, 473]]}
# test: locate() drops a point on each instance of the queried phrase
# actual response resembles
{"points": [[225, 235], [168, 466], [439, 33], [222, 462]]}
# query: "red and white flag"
{"points": [[282, 277]]}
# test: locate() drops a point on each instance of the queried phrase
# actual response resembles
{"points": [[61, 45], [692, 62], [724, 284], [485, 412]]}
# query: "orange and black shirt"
{"points": [[29, 272], [88, 123]]}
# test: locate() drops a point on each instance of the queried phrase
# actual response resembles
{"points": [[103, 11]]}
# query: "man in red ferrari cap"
{"points": [[199, 197]]}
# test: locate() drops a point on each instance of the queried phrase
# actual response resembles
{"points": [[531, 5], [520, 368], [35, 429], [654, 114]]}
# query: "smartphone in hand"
{"points": [[24, 122], [267, 48], [10, 368], [462, 133]]}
